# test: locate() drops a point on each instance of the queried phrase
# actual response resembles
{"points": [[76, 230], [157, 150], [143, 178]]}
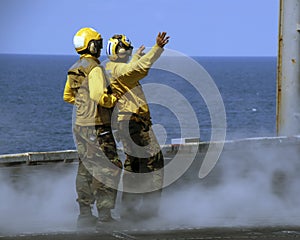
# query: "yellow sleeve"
{"points": [[137, 69], [98, 91], [68, 93], [135, 57]]}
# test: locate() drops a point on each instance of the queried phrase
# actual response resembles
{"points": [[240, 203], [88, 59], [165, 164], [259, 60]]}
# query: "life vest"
{"points": [[88, 112]]}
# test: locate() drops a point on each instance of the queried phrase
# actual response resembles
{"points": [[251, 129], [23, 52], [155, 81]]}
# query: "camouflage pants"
{"points": [[143, 155], [99, 167]]}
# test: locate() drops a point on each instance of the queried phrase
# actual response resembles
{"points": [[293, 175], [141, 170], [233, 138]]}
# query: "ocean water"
{"points": [[34, 116]]}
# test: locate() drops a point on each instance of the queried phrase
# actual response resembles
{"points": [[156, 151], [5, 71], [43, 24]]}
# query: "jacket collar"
{"points": [[86, 55]]}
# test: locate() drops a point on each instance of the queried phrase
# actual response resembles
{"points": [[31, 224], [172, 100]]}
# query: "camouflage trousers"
{"points": [[143, 155], [99, 167]]}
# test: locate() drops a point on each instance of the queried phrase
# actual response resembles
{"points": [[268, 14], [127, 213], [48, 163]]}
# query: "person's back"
{"points": [[88, 111]]}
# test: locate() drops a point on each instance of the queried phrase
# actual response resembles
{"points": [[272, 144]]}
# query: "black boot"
{"points": [[86, 219]]}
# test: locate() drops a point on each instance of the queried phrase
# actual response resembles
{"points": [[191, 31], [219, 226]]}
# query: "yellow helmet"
{"points": [[83, 37], [117, 44]]}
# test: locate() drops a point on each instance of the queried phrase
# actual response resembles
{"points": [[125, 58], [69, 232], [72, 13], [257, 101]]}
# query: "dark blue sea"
{"points": [[34, 116]]}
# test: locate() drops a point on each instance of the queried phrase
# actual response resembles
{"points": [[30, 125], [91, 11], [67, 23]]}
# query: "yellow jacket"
{"points": [[86, 88], [124, 81]]}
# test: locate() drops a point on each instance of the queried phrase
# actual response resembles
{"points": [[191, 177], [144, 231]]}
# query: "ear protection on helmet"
{"points": [[92, 48], [95, 46], [121, 53]]}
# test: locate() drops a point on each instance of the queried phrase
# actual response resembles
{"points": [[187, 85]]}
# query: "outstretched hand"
{"points": [[162, 39], [140, 51]]}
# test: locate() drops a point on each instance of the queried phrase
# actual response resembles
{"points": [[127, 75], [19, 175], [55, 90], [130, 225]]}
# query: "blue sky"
{"points": [[196, 27]]}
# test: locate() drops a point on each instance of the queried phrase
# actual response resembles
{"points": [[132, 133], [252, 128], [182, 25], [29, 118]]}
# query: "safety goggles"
{"points": [[125, 46]]}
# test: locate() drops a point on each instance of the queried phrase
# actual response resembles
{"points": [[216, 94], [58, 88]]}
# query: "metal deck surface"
{"points": [[252, 193], [267, 233]]}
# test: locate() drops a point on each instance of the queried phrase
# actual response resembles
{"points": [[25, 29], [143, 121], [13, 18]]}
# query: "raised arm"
{"points": [[143, 62]]}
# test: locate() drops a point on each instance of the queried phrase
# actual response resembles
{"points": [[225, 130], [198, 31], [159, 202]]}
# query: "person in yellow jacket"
{"points": [[143, 154], [99, 166]]}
